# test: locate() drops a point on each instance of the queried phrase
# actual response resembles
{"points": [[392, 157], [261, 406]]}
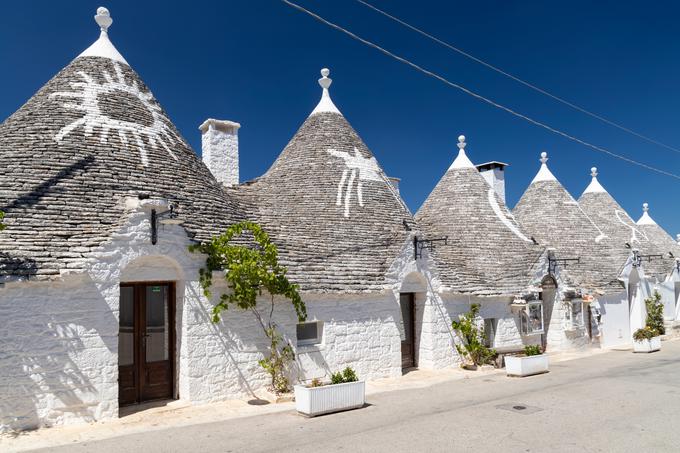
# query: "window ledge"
{"points": [[307, 348]]}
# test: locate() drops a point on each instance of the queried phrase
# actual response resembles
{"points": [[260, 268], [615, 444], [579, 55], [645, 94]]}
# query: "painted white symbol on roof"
{"points": [[621, 216], [357, 167], [90, 93]]}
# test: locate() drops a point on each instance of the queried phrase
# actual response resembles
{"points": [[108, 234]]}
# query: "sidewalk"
{"points": [[160, 416]]}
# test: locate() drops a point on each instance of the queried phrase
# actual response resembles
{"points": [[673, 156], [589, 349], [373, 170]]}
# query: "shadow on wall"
{"points": [[228, 345], [17, 266], [57, 354]]}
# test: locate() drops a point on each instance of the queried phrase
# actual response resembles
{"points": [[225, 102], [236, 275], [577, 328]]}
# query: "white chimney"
{"points": [[494, 174], [220, 149], [395, 182]]}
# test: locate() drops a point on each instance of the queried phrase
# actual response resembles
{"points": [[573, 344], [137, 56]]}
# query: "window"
{"points": [[574, 314], [531, 318], [309, 333], [489, 332]]}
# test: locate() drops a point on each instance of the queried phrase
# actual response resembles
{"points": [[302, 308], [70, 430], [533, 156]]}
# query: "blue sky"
{"points": [[257, 62]]}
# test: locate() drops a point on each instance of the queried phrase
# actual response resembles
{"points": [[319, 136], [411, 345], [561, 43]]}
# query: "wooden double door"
{"points": [[146, 342]]}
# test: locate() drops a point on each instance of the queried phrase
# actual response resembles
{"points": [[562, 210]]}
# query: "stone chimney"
{"points": [[220, 149], [395, 182], [494, 174]]}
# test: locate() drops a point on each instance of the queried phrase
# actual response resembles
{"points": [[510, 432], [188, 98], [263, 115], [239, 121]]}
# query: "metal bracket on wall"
{"points": [[420, 244], [564, 262], [170, 217]]}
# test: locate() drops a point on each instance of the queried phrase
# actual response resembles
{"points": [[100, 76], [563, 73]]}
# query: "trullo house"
{"points": [[668, 276], [100, 300], [489, 259], [642, 263], [609, 283]]}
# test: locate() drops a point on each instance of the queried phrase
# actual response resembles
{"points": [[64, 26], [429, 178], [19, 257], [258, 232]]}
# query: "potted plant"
{"points": [[648, 338], [472, 349], [344, 392], [533, 361]]}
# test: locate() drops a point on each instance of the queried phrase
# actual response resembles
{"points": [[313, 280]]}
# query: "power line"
{"points": [[517, 79], [475, 95]]}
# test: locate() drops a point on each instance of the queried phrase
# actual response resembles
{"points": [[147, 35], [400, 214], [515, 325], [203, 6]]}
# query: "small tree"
{"points": [[472, 347], [655, 313], [253, 271]]}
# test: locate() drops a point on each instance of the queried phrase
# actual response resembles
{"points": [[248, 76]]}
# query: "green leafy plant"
{"points": [[344, 376], [532, 349], [654, 325], [2, 225], [645, 333], [472, 338], [655, 313], [252, 270]]}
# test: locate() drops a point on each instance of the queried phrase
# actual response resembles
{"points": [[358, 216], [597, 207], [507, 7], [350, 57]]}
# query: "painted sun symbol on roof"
{"points": [[155, 130]]}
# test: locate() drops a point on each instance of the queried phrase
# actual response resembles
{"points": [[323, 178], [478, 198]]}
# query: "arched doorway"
{"points": [[147, 334]]}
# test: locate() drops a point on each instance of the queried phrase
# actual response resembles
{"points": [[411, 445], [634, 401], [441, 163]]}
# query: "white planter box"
{"points": [[647, 345], [526, 366], [312, 401]]}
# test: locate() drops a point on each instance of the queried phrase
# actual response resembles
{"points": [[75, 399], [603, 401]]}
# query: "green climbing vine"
{"points": [[252, 270]]}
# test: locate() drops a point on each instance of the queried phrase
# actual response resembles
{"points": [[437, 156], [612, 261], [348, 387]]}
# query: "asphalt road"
{"points": [[614, 402]]}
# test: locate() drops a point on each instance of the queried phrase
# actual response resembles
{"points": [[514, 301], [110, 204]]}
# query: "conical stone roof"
{"points": [[89, 138], [487, 252], [551, 215], [623, 234], [336, 218], [657, 235]]}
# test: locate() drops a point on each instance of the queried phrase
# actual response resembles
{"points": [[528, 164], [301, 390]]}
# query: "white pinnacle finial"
{"points": [[594, 185], [645, 219], [325, 81], [103, 19], [325, 104], [103, 47], [544, 174], [462, 161]]}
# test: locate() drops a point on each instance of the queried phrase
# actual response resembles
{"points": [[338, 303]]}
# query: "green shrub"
{"points": [[346, 375], [645, 333], [654, 323], [472, 339], [252, 271], [655, 313], [2, 216], [532, 349]]}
